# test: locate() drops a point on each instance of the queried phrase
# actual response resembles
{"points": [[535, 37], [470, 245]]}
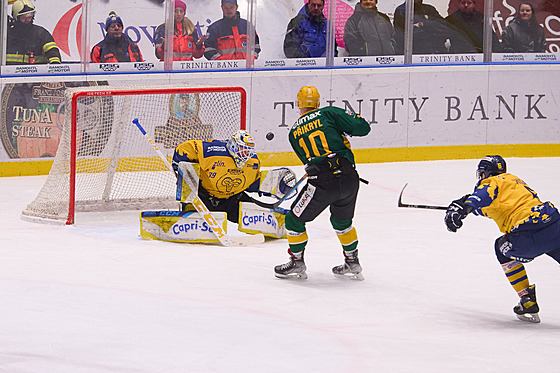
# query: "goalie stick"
{"points": [[201, 208], [429, 207], [279, 202]]}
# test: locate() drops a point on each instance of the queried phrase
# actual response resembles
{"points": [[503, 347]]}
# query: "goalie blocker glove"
{"points": [[456, 212], [277, 182]]}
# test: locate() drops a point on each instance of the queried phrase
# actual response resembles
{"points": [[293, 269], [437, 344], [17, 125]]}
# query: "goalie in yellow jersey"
{"points": [[226, 170]]}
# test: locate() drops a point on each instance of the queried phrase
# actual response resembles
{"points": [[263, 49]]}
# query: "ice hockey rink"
{"points": [[95, 297]]}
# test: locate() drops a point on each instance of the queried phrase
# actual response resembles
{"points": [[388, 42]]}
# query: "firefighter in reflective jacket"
{"points": [[227, 38], [186, 43], [117, 46], [28, 43]]}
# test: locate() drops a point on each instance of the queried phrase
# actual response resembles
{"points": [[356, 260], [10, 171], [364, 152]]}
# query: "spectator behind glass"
{"points": [[430, 31], [227, 37], [524, 34], [368, 32], [469, 23], [117, 46], [306, 35], [28, 43], [186, 43]]}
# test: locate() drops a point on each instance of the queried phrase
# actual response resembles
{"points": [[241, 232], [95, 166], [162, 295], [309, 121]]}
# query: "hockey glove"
{"points": [[277, 182], [456, 212], [287, 182]]}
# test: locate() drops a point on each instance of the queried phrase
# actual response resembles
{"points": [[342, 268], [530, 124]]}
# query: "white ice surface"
{"points": [[94, 297]]}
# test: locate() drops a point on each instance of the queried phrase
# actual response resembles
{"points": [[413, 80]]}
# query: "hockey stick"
{"points": [[429, 207], [201, 208]]}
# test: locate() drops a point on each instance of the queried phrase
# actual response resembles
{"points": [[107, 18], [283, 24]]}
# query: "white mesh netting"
{"points": [[116, 168]]}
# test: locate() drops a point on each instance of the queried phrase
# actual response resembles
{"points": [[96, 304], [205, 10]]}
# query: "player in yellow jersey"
{"points": [[229, 168], [531, 227]]}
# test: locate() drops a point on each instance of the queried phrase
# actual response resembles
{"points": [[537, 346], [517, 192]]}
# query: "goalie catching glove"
{"points": [[456, 212], [277, 182]]}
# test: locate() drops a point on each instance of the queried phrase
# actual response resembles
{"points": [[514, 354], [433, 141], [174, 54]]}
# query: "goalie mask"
{"points": [[241, 146], [491, 165]]}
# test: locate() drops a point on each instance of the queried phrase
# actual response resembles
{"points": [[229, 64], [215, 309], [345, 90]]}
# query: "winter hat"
{"points": [[180, 4], [113, 18], [234, 2]]}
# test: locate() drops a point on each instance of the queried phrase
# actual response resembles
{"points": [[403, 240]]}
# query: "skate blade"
{"points": [[292, 276], [350, 276], [529, 317]]}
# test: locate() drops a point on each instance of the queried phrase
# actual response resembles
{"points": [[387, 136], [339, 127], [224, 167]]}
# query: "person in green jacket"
{"points": [[319, 139]]}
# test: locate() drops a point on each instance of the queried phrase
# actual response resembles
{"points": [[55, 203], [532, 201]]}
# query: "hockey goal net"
{"points": [[104, 162]]}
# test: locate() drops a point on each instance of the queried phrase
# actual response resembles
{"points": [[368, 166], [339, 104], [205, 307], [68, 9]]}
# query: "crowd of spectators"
{"points": [[367, 32]]}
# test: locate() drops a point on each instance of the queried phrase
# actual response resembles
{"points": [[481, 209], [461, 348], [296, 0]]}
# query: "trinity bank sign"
{"points": [[210, 65], [449, 108]]}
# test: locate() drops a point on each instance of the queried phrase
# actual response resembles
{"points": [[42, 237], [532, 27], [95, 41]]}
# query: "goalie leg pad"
{"points": [[254, 219], [179, 226]]}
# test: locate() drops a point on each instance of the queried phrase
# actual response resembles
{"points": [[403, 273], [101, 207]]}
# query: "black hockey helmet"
{"points": [[490, 165]]}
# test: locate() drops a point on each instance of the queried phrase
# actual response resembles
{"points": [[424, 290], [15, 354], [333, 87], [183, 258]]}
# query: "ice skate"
{"points": [[528, 309], [351, 269], [295, 268]]}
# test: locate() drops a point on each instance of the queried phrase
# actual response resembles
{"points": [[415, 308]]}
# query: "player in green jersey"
{"points": [[319, 138]]}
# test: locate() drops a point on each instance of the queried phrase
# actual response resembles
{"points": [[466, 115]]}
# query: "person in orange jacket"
{"points": [[227, 37], [186, 43], [116, 46]]}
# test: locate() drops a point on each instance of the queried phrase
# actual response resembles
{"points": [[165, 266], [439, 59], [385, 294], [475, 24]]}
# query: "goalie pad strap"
{"points": [[187, 181]]}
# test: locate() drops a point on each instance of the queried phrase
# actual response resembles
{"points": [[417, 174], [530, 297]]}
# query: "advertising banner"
{"points": [[64, 20], [33, 118]]}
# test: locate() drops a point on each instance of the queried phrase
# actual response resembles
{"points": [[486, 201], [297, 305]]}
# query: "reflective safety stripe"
{"points": [[48, 46], [17, 58]]}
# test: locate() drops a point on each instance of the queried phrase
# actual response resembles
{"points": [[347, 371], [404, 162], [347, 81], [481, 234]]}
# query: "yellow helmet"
{"points": [[22, 7], [308, 96]]}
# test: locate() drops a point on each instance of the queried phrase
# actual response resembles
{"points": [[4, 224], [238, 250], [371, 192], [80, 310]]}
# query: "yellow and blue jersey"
{"points": [[511, 203], [218, 173]]}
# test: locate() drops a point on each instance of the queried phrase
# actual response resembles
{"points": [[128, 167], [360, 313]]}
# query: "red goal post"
{"points": [[104, 163]]}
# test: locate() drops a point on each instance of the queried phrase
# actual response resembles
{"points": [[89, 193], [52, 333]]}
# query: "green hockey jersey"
{"points": [[323, 131]]}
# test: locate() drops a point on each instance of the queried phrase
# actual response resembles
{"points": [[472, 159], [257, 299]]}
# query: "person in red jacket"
{"points": [[117, 46], [227, 37], [186, 43]]}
